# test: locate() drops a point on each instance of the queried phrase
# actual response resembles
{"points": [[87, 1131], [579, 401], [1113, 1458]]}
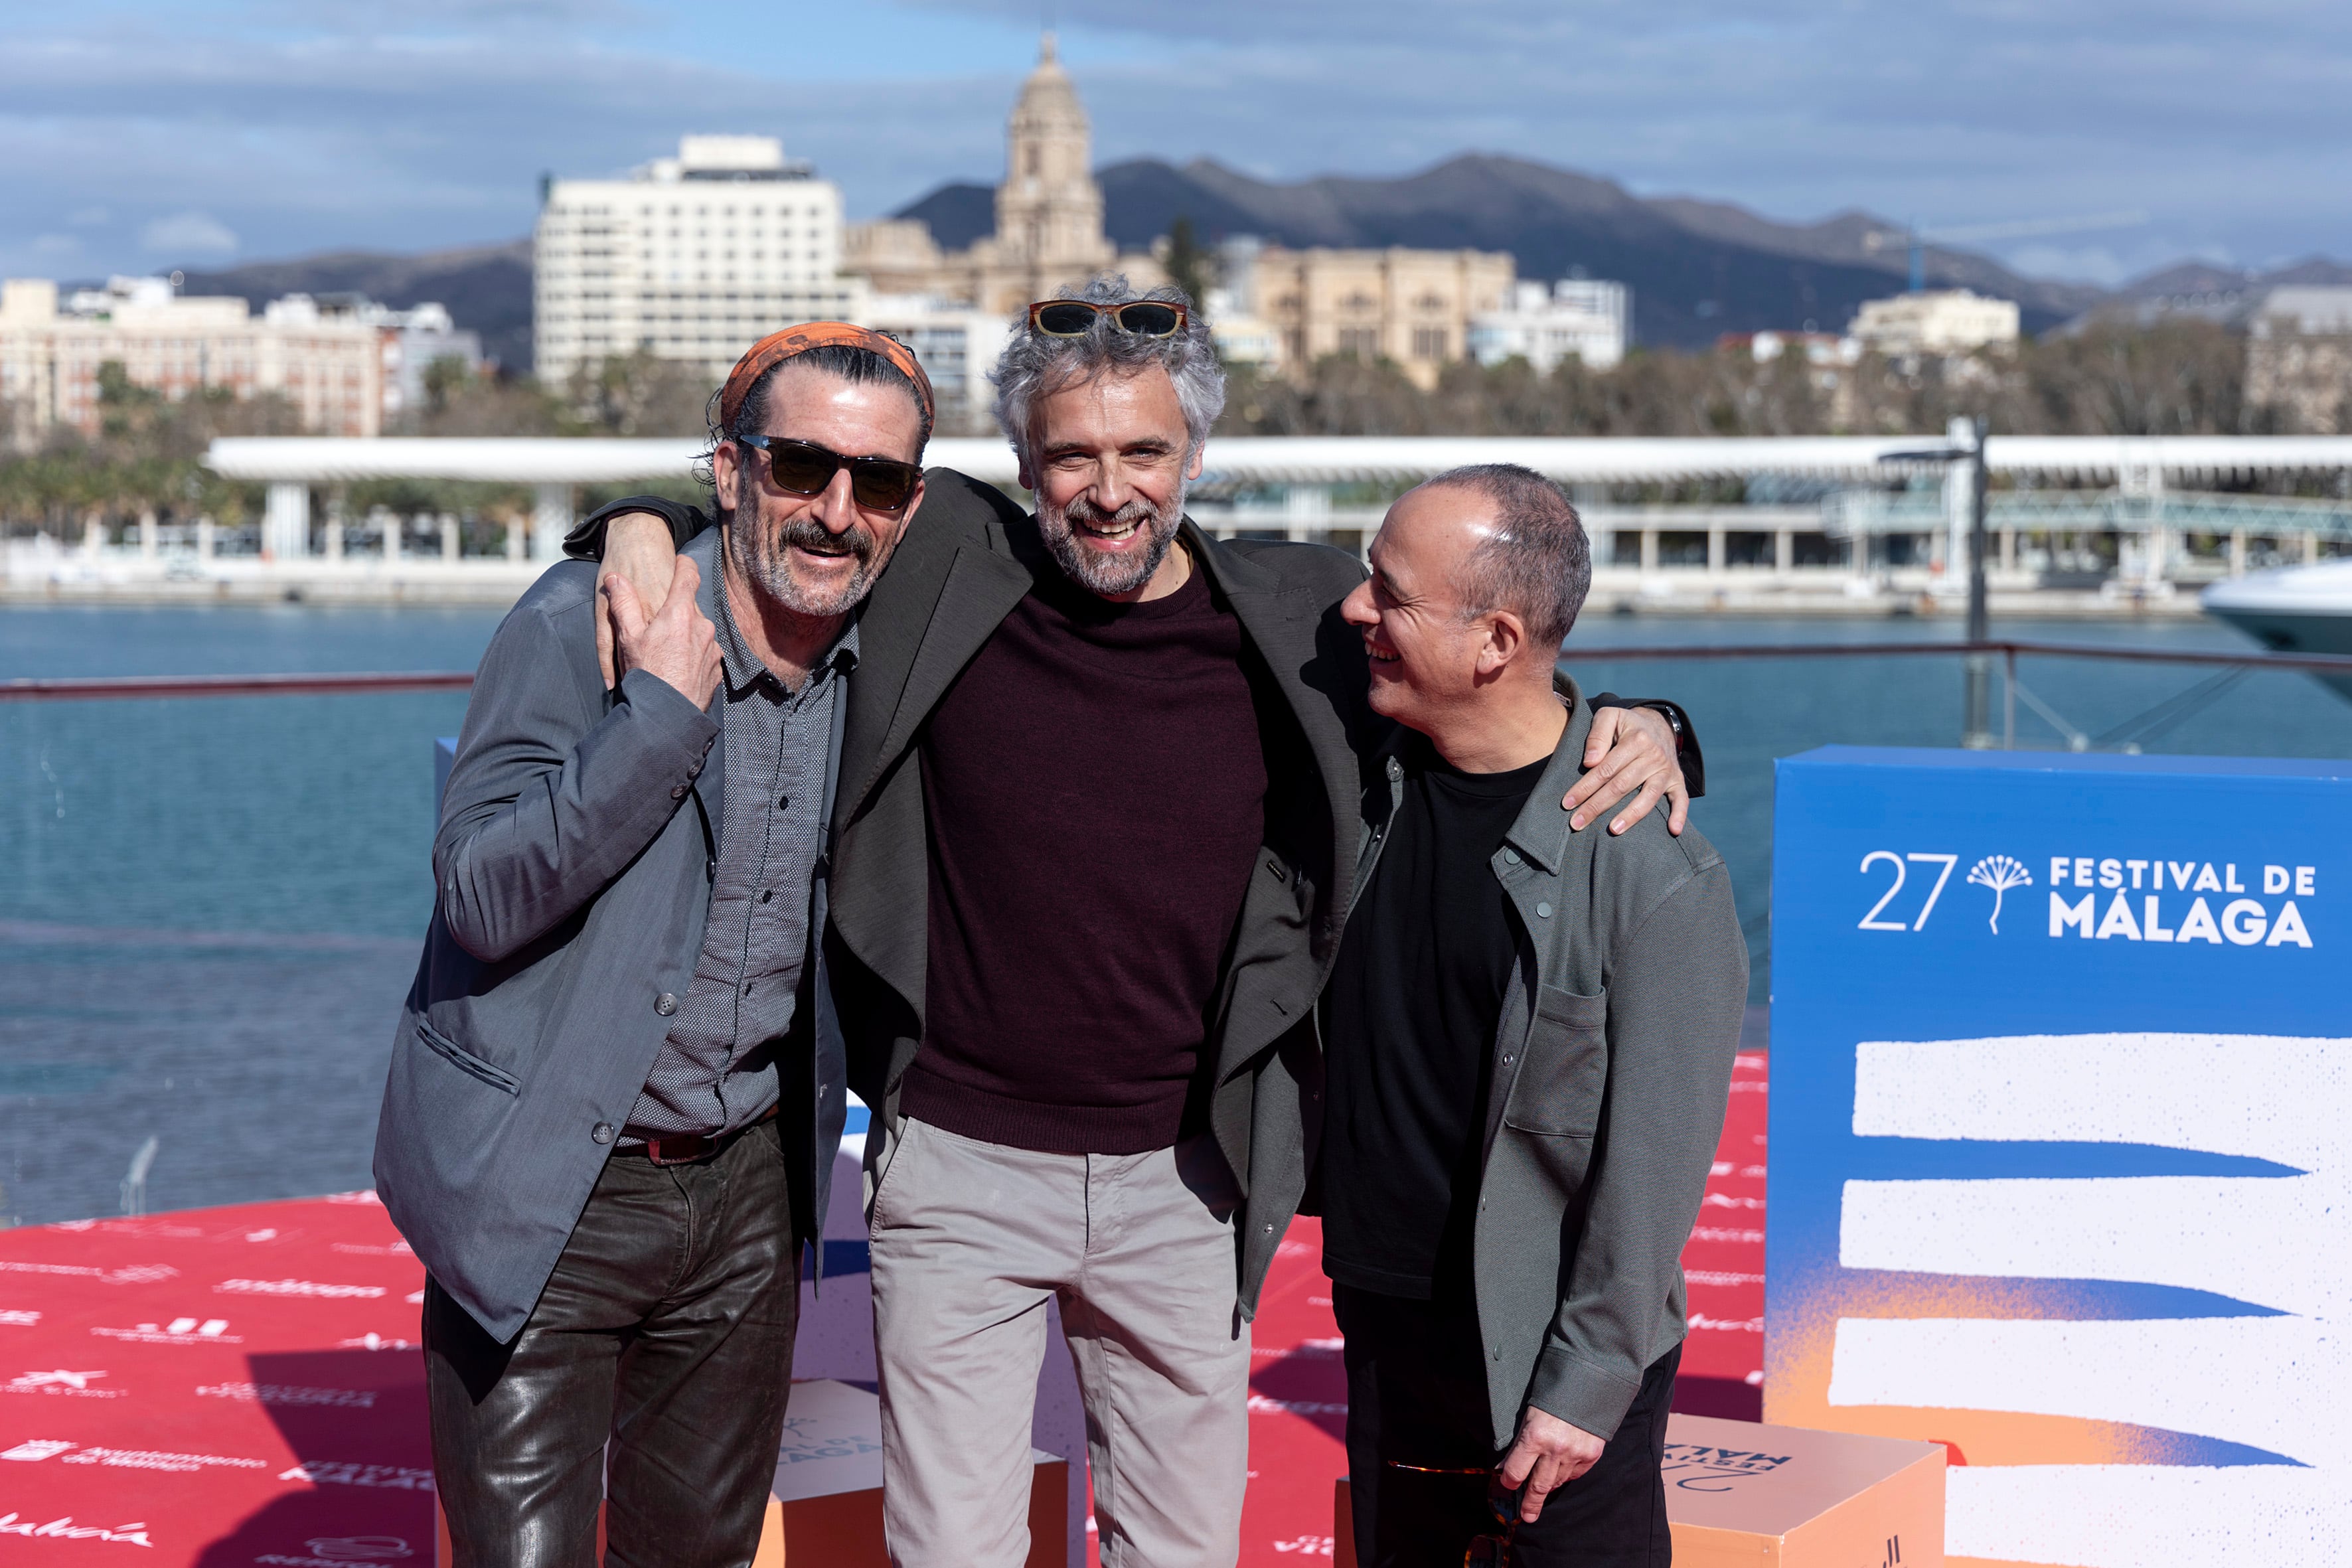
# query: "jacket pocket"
{"points": [[1558, 1086], [464, 1060]]}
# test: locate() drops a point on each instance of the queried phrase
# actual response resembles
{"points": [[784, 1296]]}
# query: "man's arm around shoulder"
{"points": [[549, 798]]}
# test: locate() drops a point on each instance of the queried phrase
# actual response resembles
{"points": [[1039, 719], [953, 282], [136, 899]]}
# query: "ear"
{"points": [[1199, 457], [1505, 640], [726, 473]]}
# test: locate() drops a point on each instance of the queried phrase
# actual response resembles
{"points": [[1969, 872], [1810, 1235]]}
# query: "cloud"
{"points": [[189, 234], [56, 245], [298, 129], [88, 217]]}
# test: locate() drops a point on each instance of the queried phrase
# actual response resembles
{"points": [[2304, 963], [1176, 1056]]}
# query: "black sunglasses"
{"points": [[1076, 318], [805, 468]]}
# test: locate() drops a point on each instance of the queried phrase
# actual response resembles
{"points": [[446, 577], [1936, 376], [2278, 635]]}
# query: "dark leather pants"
{"points": [[651, 1377]]}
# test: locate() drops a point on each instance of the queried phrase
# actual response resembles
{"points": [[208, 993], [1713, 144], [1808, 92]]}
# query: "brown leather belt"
{"points": [[687, 1148]]}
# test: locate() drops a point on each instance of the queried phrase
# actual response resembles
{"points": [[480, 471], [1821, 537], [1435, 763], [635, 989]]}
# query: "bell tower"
{"points": [[1049, 211]]}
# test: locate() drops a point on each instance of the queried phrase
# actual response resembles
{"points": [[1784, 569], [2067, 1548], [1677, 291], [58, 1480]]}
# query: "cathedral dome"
{"points": [[1048, 101]]}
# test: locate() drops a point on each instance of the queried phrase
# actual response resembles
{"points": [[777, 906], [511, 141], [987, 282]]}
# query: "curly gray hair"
{"points": [[1034, 365]]}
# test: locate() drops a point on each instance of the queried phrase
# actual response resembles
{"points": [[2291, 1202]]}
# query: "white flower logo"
{"points": [[1999, 873]]}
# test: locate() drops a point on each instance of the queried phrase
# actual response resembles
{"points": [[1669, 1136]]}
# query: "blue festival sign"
{"points": [[2061, 1143]]}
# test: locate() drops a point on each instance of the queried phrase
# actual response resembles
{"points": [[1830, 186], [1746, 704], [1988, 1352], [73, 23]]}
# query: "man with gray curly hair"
{"points": [[1091, 857], [1088, 544]]}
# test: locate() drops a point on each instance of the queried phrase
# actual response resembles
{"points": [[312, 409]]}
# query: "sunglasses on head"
{"points": [[1076, 318], [805, 468]]}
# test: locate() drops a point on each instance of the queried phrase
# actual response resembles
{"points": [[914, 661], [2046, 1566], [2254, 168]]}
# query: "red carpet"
{"points": [[240, 1386]]}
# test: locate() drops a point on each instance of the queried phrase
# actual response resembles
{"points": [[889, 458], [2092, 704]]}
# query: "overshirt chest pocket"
{"points": [[1558, 1088]]}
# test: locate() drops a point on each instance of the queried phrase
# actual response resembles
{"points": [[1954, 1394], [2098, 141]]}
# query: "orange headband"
{"points": [[777, 347]]}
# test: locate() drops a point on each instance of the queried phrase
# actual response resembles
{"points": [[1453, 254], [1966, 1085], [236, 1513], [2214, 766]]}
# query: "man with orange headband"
{"points": [[617, 1087]]}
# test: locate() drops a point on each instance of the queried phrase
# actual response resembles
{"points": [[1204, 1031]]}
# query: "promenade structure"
{"points": [[687, 258], [1935, 321], [1585, 318], [2084, 525], [330, 369]]}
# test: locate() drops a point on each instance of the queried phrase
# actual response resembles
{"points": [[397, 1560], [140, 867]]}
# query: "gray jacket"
{"points": [[579, 835], [1611, 1068]]}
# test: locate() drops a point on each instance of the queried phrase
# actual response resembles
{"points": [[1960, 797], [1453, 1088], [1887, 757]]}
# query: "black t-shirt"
{"points": [[1415, 999]]}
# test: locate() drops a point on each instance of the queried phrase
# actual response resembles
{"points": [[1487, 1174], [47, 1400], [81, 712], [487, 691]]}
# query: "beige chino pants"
{"points": [[970, 1240]]}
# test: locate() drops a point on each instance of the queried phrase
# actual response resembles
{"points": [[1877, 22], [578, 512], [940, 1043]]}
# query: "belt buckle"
{"points": [[682, 1149]]}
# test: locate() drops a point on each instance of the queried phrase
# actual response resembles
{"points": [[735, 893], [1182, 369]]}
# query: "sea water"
{"points": [[210, 908]]}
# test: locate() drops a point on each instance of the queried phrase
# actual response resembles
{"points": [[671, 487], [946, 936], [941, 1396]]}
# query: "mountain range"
{"points": [[1697, 268], [487, 287]]}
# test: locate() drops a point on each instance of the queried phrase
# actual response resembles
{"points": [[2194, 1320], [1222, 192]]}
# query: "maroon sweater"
{"points": [[1096, 786]]}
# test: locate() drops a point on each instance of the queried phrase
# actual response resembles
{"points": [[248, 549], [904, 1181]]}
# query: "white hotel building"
{"points": [[693, 257]]}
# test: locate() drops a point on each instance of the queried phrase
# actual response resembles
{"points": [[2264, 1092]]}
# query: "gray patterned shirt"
{"points": [[713, 1073]]}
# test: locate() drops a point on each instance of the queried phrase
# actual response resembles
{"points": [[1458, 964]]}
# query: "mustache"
{"points": [[814, 537], [1085, 512]]}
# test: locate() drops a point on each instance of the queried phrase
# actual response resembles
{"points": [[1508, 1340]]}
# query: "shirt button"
{"points": [[602, 1132], [1506, 1062], [1510, 856], [666, 1005], [766, 894], [783, 801], [747, 989], [1544, 910], [677, 791]]}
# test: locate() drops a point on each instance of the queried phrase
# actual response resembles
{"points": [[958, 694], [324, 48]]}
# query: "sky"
{"points": [[139, 136]]}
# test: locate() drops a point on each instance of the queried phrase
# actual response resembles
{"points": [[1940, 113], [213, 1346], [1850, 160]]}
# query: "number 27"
{"points": [[1871, 921]]}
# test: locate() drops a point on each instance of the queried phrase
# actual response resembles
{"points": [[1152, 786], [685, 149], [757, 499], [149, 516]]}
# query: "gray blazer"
{"points": [[1611, 1068], [967, 559], [579, 834]]}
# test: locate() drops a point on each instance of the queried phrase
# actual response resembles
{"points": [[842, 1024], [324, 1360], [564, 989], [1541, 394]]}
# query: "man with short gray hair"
{"points": [[1528, 1039]]}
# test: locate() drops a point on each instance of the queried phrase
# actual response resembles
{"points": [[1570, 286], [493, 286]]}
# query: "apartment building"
{"points": [[692, 258], [330, 370]]}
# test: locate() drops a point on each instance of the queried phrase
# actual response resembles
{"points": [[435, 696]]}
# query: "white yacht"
{"points": [[2294, 609]]}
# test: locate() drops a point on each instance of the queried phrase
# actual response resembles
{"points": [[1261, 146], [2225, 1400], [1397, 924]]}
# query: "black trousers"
{"points": [[1417, 1396], [651, 1377]]}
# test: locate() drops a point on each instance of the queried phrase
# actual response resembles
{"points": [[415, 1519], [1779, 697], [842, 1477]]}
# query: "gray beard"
{"points": [[1109, 575], [759, 554]]}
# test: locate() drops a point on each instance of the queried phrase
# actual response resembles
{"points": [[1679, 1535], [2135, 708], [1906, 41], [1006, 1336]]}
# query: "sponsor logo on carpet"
{"points": [[133, 1274], [12, 1523], [35, 1448], [20, 1320], [177, 1332], [75, 1384], [340, 1550], [280, 1394], [310, 1288], [346, 1473]]}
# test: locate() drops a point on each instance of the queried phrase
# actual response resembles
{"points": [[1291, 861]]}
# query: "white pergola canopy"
{"points": [[1319, 460]]}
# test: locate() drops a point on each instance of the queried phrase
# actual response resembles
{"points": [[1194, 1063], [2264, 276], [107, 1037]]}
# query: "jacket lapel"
{"points": [[1282, 625], [979, 591], [710, 783]]}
